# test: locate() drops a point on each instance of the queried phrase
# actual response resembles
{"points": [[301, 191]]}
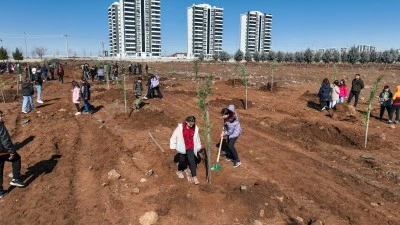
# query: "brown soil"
{"points": [[299, 165]]}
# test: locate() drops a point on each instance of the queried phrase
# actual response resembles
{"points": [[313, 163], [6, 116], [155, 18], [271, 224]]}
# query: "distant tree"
{"points": [[308, 56], [398, 58], [280, 56], [289, 57], [238, 56], [263, 57], [317, 57], [387, 57], [17, 55], [216, 56], [201, 56], [247, 57], [394, 53], [271, 56], [40, 51], [335, 56], [3, 54], [299, 57], [257, 56], [344, 57], [326, 57], [364, 57], [373, 56], [224, 56], [354, 55]]}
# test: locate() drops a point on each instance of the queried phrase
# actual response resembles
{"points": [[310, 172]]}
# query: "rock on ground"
{"points": [[113, 175], [149, 218]]}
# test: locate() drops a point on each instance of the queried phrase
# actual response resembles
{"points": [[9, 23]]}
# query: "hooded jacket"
{"points": [[177, 142], [232, 125], [85, 91], [396, 97], [6, 145], [324, 92], [27, 89]]}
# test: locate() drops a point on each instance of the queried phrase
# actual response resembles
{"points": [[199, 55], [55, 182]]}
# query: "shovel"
{"points": [[217, 167]]}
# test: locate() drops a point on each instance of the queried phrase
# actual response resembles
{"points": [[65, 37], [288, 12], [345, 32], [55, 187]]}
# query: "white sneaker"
{"points": [[145, 98], [196, 181], [40, 101], [24, 112], [180, 174], [77, 113]]}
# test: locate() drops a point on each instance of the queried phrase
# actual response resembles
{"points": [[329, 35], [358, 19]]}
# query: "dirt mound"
{"points": [[312, 133], [234, 82], [238, 103], [10, 96], [148, 117], [267, 87], [344, 112]]}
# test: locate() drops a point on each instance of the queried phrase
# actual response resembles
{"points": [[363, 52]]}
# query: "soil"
{"points": [[299, 165]]}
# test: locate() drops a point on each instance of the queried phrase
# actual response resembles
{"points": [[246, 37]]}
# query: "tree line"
{"points": [[18, 54], [352, 56]]}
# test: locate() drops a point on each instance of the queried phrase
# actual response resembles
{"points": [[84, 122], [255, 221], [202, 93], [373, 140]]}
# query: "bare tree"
{"points": [[39, 51]]}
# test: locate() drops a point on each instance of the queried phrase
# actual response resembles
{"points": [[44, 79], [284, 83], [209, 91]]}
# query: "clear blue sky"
{"points": [[296, 24]]}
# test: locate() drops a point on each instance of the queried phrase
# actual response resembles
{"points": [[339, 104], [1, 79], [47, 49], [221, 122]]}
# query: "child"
{"points": [[231, 133], [395, 106], [343, 91], [75, 96], [323, 93], [138, 90], [385, 100], [334, 95]]}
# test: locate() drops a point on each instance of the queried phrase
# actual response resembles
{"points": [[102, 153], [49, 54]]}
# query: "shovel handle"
{"points": [[220, 145]]}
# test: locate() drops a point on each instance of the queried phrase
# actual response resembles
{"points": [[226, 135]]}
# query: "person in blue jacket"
{"points": [[323, 94]]}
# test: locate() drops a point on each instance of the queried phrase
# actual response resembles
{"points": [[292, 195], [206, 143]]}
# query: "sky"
{"points": [[296, 24]]}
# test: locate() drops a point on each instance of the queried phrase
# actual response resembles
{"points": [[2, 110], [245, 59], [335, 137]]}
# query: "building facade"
{"points": [[113, 28], [205, 30], [255, 32], [366, 48], [138, 25]]}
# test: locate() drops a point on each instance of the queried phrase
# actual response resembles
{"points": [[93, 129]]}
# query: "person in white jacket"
{"points": [[334, 95], [186, 141]]}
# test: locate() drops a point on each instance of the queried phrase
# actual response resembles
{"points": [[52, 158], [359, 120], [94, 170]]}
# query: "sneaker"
{"points": [[24, 112], [17, 182], [84, 112], [389, 121], [236, 164], [396, 121], [145, 98], [2, 193], [180, 174], [39, 101], [196, 181], [78, 113], [228, 159]]}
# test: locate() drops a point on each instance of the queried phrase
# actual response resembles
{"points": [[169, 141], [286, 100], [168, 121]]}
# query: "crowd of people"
{"points": [[331, 94]]}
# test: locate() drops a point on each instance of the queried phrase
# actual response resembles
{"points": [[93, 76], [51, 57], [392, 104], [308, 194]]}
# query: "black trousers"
{"points": [[355, 94], [185, 159], [323, 103], [397, 110], [388, 108], [61, 78], [16, 167], [230, 150], [158, 91]]}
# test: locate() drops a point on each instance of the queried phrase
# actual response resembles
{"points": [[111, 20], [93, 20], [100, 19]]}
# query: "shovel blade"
{"points": [[216, 167]]}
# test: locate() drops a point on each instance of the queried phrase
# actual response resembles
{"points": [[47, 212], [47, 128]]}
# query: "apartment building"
{"points": [[255, 32], [205, 30], [138, 25]]}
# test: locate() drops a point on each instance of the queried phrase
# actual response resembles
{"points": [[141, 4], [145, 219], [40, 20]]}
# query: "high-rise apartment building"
{"points": [[255, 32], [114, 31], [205, 28], [366, 48], [135, 28]]}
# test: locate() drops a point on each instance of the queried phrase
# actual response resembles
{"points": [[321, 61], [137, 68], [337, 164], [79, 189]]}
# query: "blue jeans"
{"points": [[86, 105], [341, 99], [27, 103], [39, 92]]}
